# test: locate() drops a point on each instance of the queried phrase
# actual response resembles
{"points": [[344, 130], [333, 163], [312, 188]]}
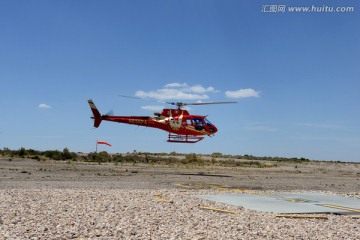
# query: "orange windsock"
{"points": [[102, 142]]}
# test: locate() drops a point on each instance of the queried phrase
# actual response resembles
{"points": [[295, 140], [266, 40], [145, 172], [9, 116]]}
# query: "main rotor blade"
{"points": [[125, 96], [181, 104], [178, 104], [139, 98], [207, 103]]}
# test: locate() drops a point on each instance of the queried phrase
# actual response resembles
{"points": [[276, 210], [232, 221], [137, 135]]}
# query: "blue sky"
{"points": [[295, 75]]}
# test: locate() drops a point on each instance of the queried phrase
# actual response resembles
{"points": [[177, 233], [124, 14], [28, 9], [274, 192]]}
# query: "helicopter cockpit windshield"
{"points": [[208, 122]]}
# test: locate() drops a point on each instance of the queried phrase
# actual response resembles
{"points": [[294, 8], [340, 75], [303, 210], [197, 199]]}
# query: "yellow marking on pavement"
{"points": [[238, 190], [218, 210], [164, 200], [300, 216], [221, 188], [158, 194], [189, 190], [340, 207], [211, 186]]}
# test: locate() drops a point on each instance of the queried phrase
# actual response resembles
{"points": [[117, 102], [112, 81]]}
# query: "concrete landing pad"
{"points": [[291, 202]]}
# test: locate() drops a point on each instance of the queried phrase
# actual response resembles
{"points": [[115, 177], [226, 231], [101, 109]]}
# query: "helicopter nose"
{"points": [[212, 129]]}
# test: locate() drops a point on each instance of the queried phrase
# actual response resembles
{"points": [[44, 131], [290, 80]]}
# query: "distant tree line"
{"points": [[38, 155], [146, 157], [251, 157], [242, 157]]}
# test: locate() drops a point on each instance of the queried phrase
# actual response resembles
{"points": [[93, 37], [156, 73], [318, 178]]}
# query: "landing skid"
{"points": [[177, 138]]}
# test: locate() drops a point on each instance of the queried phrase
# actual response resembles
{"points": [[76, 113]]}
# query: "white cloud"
{"points": [[173, 85], [153, 108], [200, 89], [242, 93], [177, 91], [44, 106]]}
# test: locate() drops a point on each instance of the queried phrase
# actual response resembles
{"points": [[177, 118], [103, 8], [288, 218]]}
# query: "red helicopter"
{"points": [[180, 125]]}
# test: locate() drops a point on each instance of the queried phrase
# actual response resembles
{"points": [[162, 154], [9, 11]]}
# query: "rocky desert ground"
{"points": [[86, 200], [324, 176]]}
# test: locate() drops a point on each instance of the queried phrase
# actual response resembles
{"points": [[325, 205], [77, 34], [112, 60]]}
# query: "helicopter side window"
{"points": [[188, 121], [198, 122]]}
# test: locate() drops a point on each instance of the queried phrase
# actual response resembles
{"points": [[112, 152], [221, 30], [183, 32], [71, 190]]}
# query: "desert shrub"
{"points": [[216, 154], [36, 157], [118, 158], [21, 152], [99, 157], [192, 158], [32, 152], [53, 154], [66, 154], [57, 155]]}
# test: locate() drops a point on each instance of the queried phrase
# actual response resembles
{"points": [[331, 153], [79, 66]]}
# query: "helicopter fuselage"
{"points": [[176, 121], [181, 126]]}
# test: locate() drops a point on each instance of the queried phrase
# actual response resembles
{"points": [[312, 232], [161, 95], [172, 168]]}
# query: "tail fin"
{"points": [[97, 116]]}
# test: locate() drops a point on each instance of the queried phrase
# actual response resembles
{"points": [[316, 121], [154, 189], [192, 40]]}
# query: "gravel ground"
{"points": [[139, 214], [60, 200]]}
